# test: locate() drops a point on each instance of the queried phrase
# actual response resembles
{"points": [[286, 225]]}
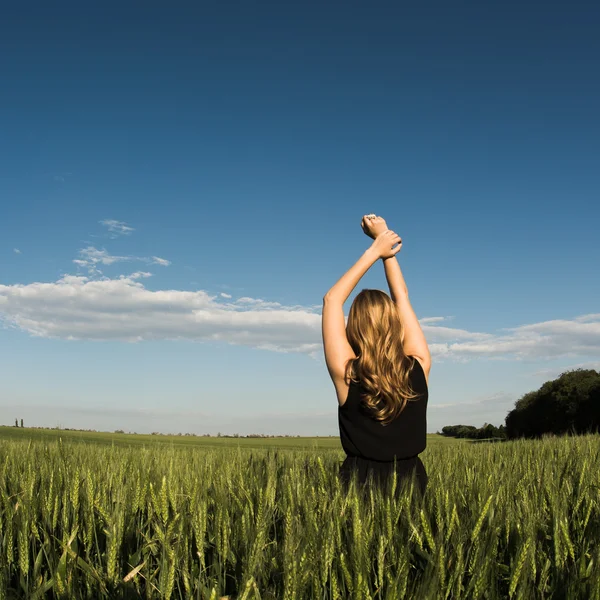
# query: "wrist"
{"points": [[372, 254]]}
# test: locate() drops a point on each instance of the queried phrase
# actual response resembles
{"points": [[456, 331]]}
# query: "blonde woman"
{"points": [[379, 364]]}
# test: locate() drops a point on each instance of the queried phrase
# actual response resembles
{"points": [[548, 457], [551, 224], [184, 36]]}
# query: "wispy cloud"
{"points": [[428, 320], [492, 400], [136, 275], [91, 257], [224, 295], [117, 228], [257, 303], [554, 372], [61, 177], [160, 261], [487, 409], [17, 251]]}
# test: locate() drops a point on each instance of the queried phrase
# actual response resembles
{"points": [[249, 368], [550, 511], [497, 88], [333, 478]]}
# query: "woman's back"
{"points": [[373, 345], [364, 437]]}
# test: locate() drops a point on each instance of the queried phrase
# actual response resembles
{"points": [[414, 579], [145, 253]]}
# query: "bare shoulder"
{"points": [[425, 364]]}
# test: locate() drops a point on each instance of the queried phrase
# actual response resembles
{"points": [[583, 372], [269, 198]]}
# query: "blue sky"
{"points": [[181, 185]]}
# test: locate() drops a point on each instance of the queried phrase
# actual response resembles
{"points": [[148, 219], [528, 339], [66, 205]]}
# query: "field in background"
{"points": [[183, 520], [126, 439]]}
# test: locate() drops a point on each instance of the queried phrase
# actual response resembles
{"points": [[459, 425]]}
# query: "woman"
{"points": [[379, 364]]}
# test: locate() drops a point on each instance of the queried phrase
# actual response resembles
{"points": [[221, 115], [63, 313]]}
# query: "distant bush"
{"points": [[568, 404], [471, 432]]}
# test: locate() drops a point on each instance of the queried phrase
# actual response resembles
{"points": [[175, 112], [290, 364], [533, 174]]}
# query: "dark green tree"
{"points": [[568, 404]]}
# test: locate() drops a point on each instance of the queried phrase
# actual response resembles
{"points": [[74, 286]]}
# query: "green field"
{"points": [[127, 439], [98, 515]]}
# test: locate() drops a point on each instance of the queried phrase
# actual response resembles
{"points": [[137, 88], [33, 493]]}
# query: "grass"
{"points": [[183, 518]]}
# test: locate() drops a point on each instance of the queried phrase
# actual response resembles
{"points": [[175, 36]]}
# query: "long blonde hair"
{"points": [[375, 333]]}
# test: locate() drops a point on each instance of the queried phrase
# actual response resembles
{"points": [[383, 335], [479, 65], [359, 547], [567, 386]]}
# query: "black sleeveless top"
{"points": [[363, 436]]}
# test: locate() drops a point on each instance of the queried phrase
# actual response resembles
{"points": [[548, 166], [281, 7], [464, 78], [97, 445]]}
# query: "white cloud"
{"points": [[447, 333], [93, 255], [117, 228], [587, 318], [17, 251], [428, 320], [257, 303], [224, 295], [90, 257], [77, 307], [160, 261], [136, 275]]}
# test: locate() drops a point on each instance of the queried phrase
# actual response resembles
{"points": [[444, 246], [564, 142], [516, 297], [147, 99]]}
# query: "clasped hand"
{"points": [[384, 239]]}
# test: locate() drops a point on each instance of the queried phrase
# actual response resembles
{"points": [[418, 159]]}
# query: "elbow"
{"points": [[328, 298]]}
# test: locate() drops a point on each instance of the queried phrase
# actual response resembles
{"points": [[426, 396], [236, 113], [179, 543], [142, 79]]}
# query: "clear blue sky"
{"points": [[180, 185]]}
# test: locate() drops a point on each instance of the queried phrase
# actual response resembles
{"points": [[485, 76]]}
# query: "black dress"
{"points": [[371, 447]]}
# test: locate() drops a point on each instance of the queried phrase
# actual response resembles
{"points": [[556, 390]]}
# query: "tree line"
{"points": [[569, 404]]}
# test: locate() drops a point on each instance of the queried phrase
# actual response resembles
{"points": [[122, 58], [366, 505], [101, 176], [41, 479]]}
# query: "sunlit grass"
{"points": [[160, 520]]}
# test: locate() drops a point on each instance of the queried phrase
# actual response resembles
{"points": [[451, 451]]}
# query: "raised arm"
{"points": [[335, 343], [413, 342]]}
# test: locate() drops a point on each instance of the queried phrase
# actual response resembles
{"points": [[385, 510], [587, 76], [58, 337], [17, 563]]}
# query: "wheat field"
{"points": [[83, 520]]}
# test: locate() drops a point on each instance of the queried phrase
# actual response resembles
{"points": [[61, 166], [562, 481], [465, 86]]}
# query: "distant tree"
{"points": [[460, 431], [21, 422], [16, 423], [568, 404], [488, 431]]}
